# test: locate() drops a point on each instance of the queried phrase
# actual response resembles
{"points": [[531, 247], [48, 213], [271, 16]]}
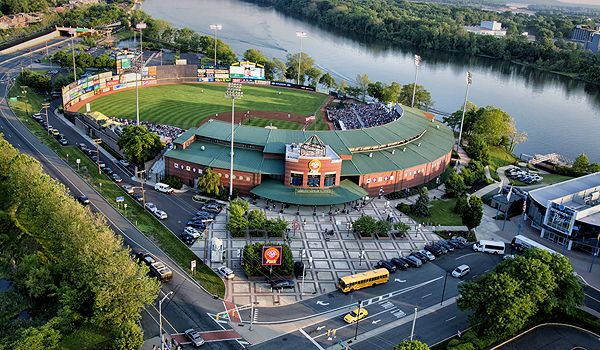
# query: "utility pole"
{"points": [[417, 63], [412, 332], [357, 319], [98, 142], [462, 120], [444, 289], [216, 27], [234, 90], [162, 343], [139, 175], [300, 35], [45, 105], [252, 313]]}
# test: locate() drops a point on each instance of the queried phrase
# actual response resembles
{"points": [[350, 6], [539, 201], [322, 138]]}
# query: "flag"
{"points": [[469, 78], [417, 60]]}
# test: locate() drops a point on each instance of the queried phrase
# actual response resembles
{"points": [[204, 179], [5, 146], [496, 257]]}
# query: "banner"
{"points": [[292, 86], [272, 255]]}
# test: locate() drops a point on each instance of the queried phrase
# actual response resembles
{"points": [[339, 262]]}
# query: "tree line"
{"points": [[69, 269], [441, 27]]}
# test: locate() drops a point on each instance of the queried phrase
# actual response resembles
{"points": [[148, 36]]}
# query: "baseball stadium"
{"points": [[291, 144]]}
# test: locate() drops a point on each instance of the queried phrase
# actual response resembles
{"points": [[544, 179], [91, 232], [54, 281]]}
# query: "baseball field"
{"points": [[187, 105]]}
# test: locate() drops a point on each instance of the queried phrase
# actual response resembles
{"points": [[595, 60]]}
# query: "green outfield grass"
{"points": [[186, 105], [279, 124]]}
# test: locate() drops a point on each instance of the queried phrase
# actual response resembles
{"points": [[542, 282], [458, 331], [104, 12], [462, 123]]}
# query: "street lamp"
{"points": [[357, 319], [444, 289], [417, 63], [234, 90], [216, 27], [160, 318], [462, 120], [98, 142], [300, 35], [139, 26], [72, 32]]}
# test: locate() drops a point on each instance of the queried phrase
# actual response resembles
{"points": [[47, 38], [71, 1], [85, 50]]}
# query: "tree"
{"points": [[42, 338], [343, 87], [391, 92], [365, 226], [455, 185], [376, 90], [276, 227], [327, 80], [362, 82], [478, 149], [411, 345], [473, 213], [421, 206], [210, 182], [138, 144], [237, 222], [515, 137], [313, 74], [492, 124], [255, 55], [453, 121], [401, 227], [422, 96], [257, 221], [306, 63], [462, 203], [279, 68], [581, 164]]}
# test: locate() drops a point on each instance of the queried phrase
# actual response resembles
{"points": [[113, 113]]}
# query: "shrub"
{"points": [[403, 208], [173, 181], [252, 261]]}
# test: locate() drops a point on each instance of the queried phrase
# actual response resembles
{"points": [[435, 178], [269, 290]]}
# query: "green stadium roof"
{"points": [[436, 141], [346, 192]]}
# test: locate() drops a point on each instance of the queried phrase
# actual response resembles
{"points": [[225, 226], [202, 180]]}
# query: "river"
{"points": [[559, 114]]}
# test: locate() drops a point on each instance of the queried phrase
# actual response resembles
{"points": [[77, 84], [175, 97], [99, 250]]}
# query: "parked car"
{"points": [[138, 197], [63, 141], [460, 239], [401, 264], [420, 256], [212, 208], [101, 164], [226, 272], [164, 188], [116, 178], [124, 162], [199, 225], [187, 238], [194, 337], [282, 284], [128, 188], [161, 214], [428, 254], [192, 232], [433, 249], [453, 244], [385, 264], [108, 171], [446, 245], [204, 215], [151, 207], [441, 247], [413, 261], [146, 258], [461, 271], [83, 200], [356, 315]]}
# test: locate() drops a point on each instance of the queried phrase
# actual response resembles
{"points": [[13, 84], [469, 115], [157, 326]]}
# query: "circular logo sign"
{"points": [[271, 255], [314, 165]]}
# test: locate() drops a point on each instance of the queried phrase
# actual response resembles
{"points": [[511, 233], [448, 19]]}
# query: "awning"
{"points": [[346, 192]]}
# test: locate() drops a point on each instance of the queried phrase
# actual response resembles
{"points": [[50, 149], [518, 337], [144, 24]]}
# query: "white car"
{"points": [[151, 207], [128, 188], [226, 272], [161, 214], [429, 256], [192, 232], [461, 271], [124, 162]]}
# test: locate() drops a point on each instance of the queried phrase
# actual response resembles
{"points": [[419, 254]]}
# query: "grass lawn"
{"points": [[88, 337], [186, 105], [141, 218], [549, 179], [279, 124], [441, 213]]}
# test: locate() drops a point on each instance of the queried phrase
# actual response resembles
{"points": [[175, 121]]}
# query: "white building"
{"points": [[487, 28]]}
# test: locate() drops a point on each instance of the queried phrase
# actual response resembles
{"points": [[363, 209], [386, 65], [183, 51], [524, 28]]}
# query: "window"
{"points": [[296, 179], [329, 180], [314, 180]]}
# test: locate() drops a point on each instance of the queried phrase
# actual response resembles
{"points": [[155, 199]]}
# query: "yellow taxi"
{"points": [[355, 315]]}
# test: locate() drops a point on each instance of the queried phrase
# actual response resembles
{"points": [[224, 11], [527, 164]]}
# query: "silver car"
{"points": [[194, 337]]}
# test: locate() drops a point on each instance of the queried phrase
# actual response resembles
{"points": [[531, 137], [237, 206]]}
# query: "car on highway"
{"points": [[356, 315], [399, 263], [429, 256], [83, 200], [161, 214], [386, 265], [116, 178], [108, 171], [128, 188], [138, 197], [226, 272], [282, 284], [124, 162], [63, 141], [54, 132], [413, 261], [151, 207], [194, 337], [192, 232], [461, 271]]}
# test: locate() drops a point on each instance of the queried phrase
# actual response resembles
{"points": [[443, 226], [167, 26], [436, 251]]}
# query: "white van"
{"points": [[492, 247], [461, 271], [164, 188]]}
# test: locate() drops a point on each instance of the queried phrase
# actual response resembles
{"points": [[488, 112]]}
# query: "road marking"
{"points": [[311, 339], [387, 304], [399, 280], [451, 318], [464, 256], [319, 302], [399, 314], [353, 324], [320, 327], [426, 295], [376, 321], [591, 297]]}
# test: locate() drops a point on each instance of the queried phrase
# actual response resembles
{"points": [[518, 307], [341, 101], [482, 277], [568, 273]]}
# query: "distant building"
{"points": [[594, 43], [487, 28], [583, 33], [19, 20]]}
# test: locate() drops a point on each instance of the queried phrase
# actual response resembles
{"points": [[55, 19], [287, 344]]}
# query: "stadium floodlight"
{"points": [[234, 90], [469, 80], [216, 27], [417, 64], [300, 35], [141, 26], [73, 32]]}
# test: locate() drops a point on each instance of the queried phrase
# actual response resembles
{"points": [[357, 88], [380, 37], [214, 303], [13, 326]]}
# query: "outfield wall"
{"points": [[84, 90]]}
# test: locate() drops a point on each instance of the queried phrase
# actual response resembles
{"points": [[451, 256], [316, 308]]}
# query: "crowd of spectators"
{"points": [[357, 116], [166, 131]]}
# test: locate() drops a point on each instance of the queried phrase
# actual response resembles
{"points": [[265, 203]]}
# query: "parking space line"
{"points": [[426, 295], [451, 318], [311, 339]]}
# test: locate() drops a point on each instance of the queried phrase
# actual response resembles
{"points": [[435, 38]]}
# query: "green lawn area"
{"points": [[88, 337], [186, 105], [500, 157], [280, 124], [143, 220], [549, 179], [441, 213]]}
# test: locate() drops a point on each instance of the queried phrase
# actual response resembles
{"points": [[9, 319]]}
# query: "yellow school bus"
{"points": [[362, 280]]}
